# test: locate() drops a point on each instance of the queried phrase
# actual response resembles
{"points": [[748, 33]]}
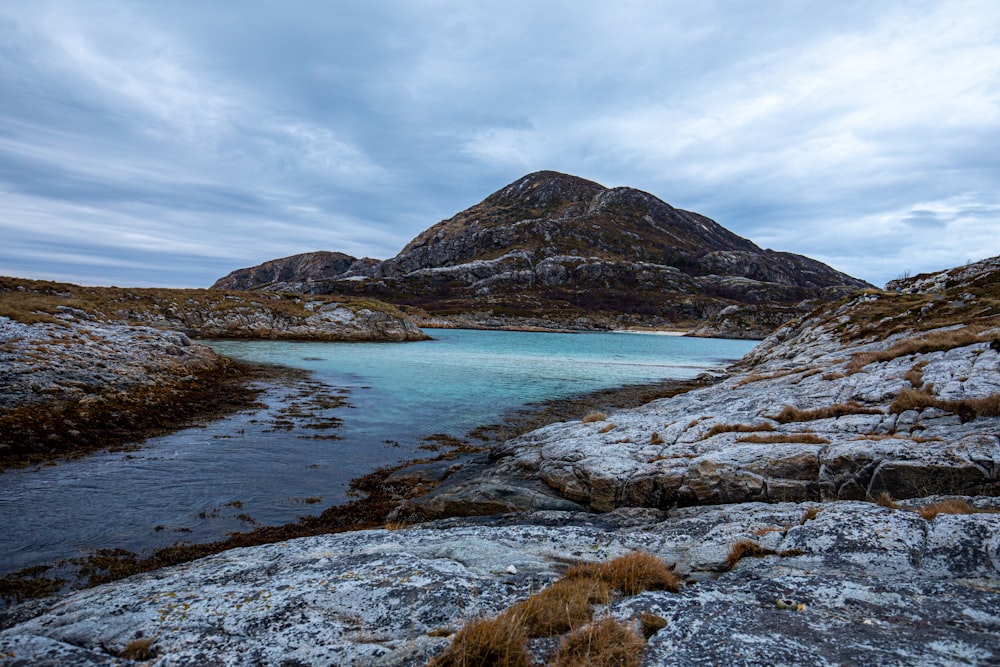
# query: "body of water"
{"points": [[298, 453]]}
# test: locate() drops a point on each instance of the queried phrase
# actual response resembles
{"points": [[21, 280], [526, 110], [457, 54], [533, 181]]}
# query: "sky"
{"points": [[168, 143]]}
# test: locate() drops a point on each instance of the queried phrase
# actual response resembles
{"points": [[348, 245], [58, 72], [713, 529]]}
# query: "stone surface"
{"points": [[879, 586]]}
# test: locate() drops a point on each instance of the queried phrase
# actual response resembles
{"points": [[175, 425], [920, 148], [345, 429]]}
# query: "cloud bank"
{"points": [[169, 143]]}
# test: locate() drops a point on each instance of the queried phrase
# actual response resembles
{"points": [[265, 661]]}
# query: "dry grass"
{"points": [[591, 417], [607, 643], [804, 438], [809, 515], [651, 623], [886, 500], [934, 341], [738, 428], [139, 649], [495, 641], [790, 414], [565, 605], [750, 549], [951, 506], [915, 376], [630, 574], [607, 428], [655, 439], [967, 408]]}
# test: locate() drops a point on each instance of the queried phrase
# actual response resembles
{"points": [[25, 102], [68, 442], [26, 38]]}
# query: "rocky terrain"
{"points": [[88, 367], [833, 500], [210, 313], [554, 249]]}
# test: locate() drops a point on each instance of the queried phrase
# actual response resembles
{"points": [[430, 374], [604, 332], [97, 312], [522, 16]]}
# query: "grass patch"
{"points": [[488, 641], [565, 605], [607, 643], [738, 428], [790, 414], [655, 439], [631, 574], [750, 549], [931, 510], [607, 428], [593, 417], [139, 649], [967, 408], [776, 438], [934, 341]]}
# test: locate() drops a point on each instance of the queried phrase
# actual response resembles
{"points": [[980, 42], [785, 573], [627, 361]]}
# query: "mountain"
{"points": [[307, 266], [552, 249]]}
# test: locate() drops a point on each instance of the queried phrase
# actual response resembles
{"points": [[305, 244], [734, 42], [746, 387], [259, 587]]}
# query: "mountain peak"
{"points": [[542, 189]]}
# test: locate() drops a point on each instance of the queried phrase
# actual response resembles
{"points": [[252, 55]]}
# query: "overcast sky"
{"points": [[168, 143]]}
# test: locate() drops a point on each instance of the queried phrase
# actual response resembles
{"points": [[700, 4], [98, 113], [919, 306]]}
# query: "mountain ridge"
{"points": [[559, 247]]}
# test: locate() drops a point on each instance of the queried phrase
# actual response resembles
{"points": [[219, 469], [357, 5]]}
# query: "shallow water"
{"points": [[269, 466]]}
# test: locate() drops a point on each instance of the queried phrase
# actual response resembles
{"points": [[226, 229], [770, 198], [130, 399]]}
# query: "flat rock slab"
{"points": [[879, 586]]}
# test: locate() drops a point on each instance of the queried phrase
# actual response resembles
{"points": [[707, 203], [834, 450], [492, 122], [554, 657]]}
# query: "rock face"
{"points": [[875, 585], [307, 266], [560, 247]]}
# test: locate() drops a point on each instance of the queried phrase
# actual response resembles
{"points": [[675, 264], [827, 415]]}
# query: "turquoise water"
{"points": [[464, 378], [200, 483]]}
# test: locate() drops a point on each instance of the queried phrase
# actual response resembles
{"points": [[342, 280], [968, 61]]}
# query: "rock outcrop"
{"points": [[211, 313], [307, 266], [554, 248], [849, 583]]}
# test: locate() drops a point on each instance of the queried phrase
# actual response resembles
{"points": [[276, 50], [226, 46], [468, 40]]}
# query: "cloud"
{"points": [[862, 134]]}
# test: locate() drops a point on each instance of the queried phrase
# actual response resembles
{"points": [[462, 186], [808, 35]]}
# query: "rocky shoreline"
{"points": [[832, 501], [84, 368]]}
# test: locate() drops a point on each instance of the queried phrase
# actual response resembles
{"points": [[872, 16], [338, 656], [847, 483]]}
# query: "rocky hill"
{"points": [[834, 500], [297, 268], [561, 248], [210, 313], [83, 368]]}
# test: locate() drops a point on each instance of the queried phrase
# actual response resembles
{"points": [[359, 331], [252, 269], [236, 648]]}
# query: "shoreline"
{"points": [[380, 492]]}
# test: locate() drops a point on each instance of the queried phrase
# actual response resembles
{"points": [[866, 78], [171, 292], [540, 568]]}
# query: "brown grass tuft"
{"points": [[952, 506], [496, 641], [967, 408], [607, 643], [593, 417], [655, 439], [935, 341], [738, 428], [631, 574], [809, 515], [805, 438], [885, 500], [610, 426], [561, 607], [791, 414], [651, 623], [139, 649], [746, 549]]}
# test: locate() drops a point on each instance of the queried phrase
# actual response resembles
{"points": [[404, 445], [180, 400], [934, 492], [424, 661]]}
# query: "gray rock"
{"points": [[879, 586]]}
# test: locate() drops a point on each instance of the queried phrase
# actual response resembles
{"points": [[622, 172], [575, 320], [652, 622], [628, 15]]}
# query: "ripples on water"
{"points": [[200, 483]]}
